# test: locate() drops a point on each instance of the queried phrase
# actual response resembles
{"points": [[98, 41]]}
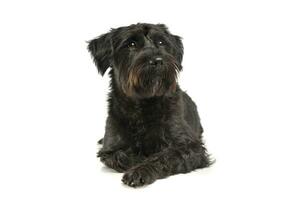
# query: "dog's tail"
{"points": [[100, 141]]}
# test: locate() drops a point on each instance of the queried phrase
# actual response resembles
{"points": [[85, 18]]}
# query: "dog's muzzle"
{"points": [[152, 76]]}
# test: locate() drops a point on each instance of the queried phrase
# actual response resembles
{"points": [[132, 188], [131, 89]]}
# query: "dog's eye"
{"points": [[160, 43], [132, 44]]}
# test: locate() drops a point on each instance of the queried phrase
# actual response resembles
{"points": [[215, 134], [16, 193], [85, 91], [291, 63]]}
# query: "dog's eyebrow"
{"points": [[157, 36], [126, 37]]}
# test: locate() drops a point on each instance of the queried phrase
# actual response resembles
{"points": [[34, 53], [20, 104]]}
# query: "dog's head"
{"points": [[145, 59]]}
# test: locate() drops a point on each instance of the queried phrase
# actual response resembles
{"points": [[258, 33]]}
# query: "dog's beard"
{"points": [[146, 81]]}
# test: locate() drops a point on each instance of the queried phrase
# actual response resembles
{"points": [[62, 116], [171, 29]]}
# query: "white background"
{"points": [[241, 66]]}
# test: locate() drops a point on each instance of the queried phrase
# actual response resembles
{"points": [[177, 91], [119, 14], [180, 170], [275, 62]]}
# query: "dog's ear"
{"points": [[177, 41], [101, 51], [179, 48]]}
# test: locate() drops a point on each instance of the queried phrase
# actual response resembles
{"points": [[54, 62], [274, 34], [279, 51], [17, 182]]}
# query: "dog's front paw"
{"points": [[139, 176], [117, 160]]}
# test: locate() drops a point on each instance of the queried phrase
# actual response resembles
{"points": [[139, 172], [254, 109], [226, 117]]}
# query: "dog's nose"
{"points": [[156, 61]]}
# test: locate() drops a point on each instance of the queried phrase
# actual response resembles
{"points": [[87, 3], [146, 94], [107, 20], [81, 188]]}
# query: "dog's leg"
{"points": [[115, 152], [173, 160]]}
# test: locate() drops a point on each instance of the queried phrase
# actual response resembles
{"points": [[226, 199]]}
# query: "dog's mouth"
{"points": [[145, 80]]}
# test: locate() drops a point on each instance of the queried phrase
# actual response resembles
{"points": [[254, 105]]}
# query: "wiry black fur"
{"points": [[153, 129]]}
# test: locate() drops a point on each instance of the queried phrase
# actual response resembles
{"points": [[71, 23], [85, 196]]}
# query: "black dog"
{"points": [[153, 129]]}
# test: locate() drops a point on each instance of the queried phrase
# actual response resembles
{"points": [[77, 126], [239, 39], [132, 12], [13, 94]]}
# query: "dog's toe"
{"points": [[132, 179], [137, 177]]}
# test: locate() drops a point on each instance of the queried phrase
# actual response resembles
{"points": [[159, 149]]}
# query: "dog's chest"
{"points": [[148, 128]]}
